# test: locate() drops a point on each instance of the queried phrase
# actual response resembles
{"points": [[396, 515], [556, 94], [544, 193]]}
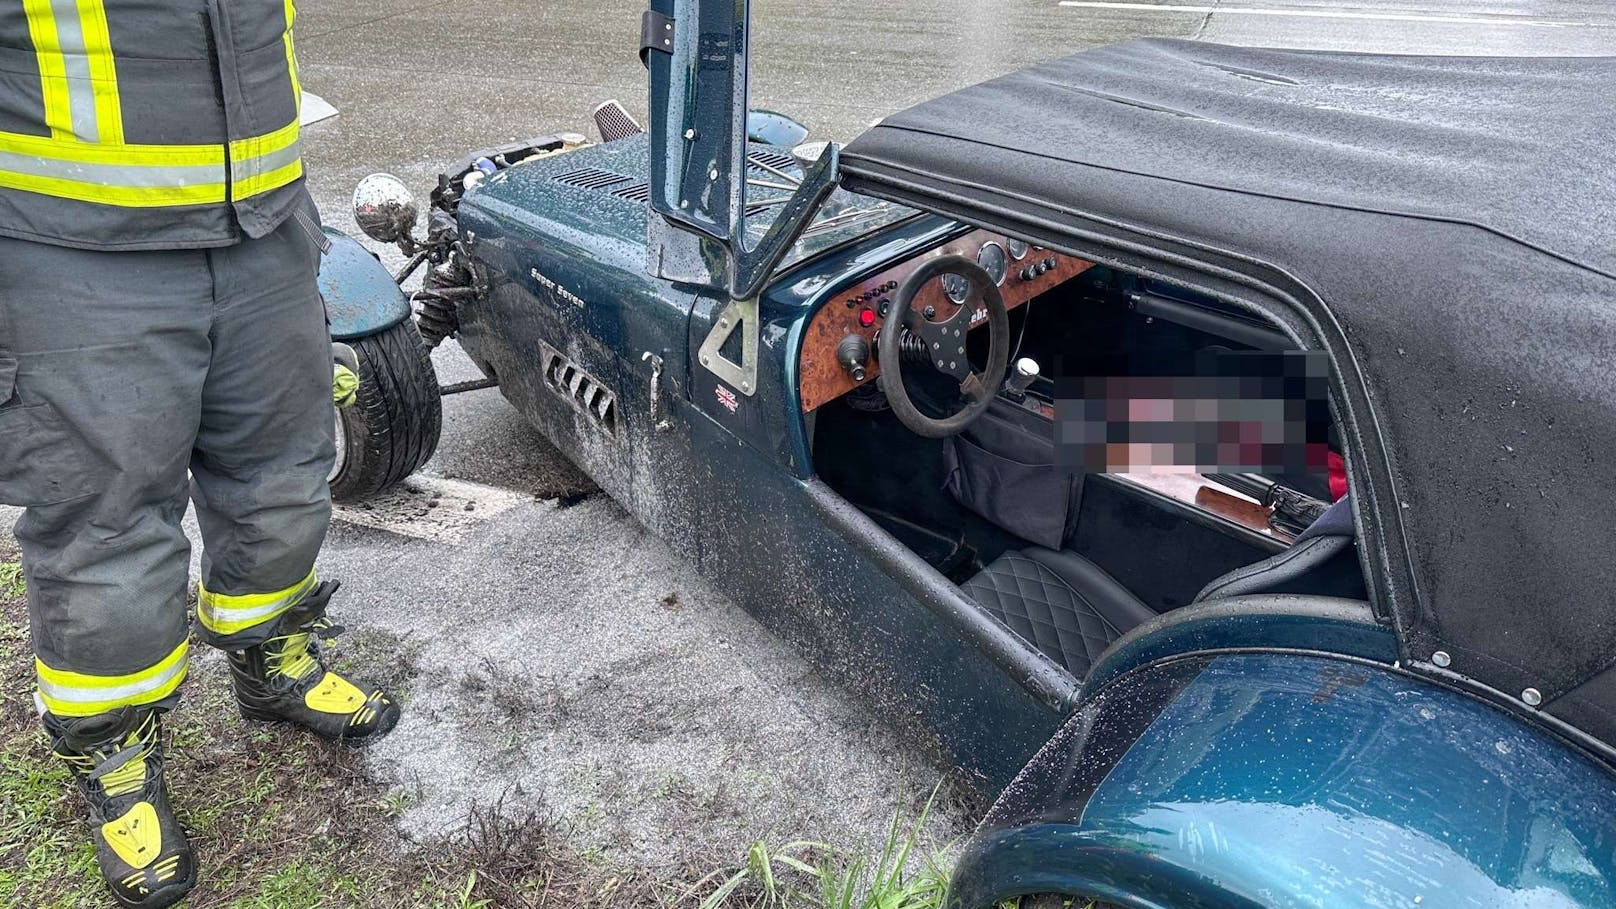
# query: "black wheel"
{"points": [[393, 429]]}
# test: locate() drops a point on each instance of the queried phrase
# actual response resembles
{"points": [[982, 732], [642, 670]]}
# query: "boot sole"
{"points": [[265, 716], [171, 895]]}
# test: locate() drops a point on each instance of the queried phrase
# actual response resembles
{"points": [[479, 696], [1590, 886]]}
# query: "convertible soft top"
{"points": [[1446, 226]]}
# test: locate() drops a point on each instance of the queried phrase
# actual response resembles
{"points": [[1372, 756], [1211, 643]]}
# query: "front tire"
{"points": [[393, 428]]}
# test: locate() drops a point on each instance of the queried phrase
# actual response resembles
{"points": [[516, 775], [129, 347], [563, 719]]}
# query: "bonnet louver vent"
{"points": [[639, 192], [590, 178], [776, 161], [584, 392]]}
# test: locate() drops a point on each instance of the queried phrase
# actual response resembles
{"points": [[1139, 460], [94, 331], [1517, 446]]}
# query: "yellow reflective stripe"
{"points": [[262, 183], [263, 163], [223, 613], [72, 150], [150, 175], [103, 71], [52, 66], [291, 56], [268, 143], [138, 176], [126, 196], [78, 694]]}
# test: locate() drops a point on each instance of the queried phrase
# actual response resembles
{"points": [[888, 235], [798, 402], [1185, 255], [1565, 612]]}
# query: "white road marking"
{"points": [[1324, 14], [430, 508]]}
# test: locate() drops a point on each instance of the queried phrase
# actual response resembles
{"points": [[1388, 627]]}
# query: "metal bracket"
{"points": [[749, 271], [742, 316], [656, 34]]}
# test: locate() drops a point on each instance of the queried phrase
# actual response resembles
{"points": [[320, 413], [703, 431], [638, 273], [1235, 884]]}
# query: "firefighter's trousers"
{"points": [[129, 382]]}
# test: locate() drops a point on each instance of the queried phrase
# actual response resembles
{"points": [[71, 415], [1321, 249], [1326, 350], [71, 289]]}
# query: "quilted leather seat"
{"points": [[1070, 609], [1059, 602]]}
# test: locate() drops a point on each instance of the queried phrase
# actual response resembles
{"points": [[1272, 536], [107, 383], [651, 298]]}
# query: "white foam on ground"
{"points": [[565, 658], [430, 508]]}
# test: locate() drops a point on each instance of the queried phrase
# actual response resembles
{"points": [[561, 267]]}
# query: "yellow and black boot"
{"points": [[285, 679], [117, 762]]}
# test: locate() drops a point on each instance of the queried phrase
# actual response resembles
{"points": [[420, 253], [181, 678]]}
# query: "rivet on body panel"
{"points": [[1532, 697], [1442, 659]]}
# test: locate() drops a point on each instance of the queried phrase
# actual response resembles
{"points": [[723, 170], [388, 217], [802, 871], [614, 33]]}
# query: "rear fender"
{"points": [[360, 295], [1288, 779]]}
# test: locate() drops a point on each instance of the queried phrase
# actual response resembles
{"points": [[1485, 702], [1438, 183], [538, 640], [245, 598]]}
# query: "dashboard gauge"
{"points": [[993, 261], [956, 287], [1018, 249]]}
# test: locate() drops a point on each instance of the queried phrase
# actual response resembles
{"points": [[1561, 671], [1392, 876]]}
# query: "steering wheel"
{"points": [[941, 344]]}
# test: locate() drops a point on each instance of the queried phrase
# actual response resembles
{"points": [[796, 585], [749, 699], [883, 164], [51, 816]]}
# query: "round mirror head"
{"points": [[809, 152], [384, 208]]}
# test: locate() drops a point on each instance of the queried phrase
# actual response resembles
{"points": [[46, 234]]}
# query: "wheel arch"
{"points": [[361, 298], [1279, 778]]}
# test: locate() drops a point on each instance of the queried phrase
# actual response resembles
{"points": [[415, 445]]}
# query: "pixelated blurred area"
{"points": [[1224, 411]]}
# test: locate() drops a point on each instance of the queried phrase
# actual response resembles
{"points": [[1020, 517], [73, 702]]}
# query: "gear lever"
{"points": [[1025, 373]]}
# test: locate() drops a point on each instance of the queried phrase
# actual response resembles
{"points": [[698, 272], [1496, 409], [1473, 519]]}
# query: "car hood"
{"points": [[603, 191]]}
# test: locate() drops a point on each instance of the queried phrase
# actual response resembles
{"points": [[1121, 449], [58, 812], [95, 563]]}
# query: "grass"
{"points": [[12, 585], [818, 876], [282, 821]]}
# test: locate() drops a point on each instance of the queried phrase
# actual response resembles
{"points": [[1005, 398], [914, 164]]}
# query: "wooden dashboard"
{"points": [[864, 308]]}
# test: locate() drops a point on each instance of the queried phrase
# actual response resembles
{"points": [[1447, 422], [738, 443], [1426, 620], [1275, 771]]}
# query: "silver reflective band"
{"points": [[233, 615], [248, 168], [76, 64], [113, 174], [71, 695], [221, 618]]}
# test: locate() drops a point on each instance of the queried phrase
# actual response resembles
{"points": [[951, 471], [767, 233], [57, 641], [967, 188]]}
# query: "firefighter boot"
{"points": [[285, 679], [344, 375], [117, 762]]}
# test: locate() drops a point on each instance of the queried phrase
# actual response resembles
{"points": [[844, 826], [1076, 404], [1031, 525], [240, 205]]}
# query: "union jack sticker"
{"points": [[728, 399]]}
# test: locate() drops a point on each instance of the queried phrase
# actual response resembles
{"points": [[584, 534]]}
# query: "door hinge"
{"points": [[656, 34]]}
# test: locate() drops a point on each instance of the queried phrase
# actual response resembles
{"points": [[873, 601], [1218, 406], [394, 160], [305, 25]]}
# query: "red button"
{"points": [[866, 318]]}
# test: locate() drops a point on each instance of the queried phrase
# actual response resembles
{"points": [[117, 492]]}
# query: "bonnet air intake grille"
{"points": [[584, 392], [639, 192], [776, 161], [590, 178]]}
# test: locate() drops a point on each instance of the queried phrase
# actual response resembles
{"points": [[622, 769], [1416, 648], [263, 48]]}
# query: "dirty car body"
{"points": [[1412, 697]]}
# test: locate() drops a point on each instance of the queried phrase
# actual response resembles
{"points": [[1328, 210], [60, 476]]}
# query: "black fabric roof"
{"points": [[1446, 226], [1511, 144]]}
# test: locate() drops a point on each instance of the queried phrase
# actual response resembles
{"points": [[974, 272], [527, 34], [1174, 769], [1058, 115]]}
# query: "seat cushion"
{"points": [[1059, 602]]}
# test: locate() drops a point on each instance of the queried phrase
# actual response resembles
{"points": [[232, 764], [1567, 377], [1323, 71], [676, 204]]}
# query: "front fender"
{"points": [[360, 296], [1273, 779]]}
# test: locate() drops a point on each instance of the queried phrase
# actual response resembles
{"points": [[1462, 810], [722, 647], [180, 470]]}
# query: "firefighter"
{"points": [[162, 339]]}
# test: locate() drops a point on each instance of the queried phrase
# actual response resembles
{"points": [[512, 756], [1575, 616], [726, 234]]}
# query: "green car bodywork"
{"points": [[640, 307]]}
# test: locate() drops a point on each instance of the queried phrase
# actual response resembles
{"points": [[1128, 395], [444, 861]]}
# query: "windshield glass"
{"points": [[772, 178]]}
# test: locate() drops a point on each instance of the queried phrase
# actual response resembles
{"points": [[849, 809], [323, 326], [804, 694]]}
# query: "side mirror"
{"points": [[773, 128], [808, 153], [384, 208]]}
